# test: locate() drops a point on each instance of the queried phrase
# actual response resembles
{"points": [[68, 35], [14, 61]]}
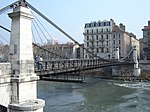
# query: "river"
{"points": [[95, 95]]}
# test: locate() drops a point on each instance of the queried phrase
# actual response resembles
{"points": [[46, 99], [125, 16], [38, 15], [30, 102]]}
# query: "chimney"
{"points": [[122, 26], [148, 23]]}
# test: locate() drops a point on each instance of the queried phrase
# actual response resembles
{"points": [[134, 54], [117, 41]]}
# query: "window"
{"points": [[87, 31], [92, 31], [104, 23], [101, 30], [102, 50], [108, 24], [92, 37], [96, 37], [107, 30], [119, 48], [114, 42], [90, 25], [106, 36], [85, 56], [87, 37], [87, 44], [102, 37], [107, 43], [86, 25], [119, 35], [99, 24], [97, 50], [97, 30], [119, 42], [114, 36], [97, 44]]}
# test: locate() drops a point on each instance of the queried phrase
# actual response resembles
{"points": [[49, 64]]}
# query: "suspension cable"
{"points": [[40, 30], [42, 25], [63, 32], [33, 36], [37, 32], [4, 39], [9, 7], [38, 45], [127, 54], [6, 29]]}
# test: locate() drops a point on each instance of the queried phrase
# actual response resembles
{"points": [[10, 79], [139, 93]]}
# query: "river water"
{"points": [[95, 95]]}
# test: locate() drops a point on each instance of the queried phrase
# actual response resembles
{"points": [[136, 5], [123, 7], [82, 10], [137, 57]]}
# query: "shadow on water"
{"points": [[96, 95]]}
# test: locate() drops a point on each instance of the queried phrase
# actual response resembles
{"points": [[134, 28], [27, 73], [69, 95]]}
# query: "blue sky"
{"points": [[71, 15]]}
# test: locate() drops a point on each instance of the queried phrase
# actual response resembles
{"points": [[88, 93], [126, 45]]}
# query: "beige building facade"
{"points": [[146, 41]]}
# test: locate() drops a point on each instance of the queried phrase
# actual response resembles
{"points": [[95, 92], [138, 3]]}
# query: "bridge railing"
{"points": [[68, 64]]}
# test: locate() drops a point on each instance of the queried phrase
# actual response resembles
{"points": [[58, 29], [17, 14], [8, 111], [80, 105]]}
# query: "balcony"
{"points": [[92, 46], [101, 39], [92, 40], [96, 33], [101, 46]]}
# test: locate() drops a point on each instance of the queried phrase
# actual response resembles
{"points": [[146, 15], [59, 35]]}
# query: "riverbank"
{"points": [[106, 74]]}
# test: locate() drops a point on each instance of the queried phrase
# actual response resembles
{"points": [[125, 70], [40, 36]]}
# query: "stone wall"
{"points": [[145, 71], [125, 71], [144, 66], [5, 85]]}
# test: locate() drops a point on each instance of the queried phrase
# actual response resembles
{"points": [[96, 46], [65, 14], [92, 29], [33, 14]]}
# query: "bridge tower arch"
{"points": [[23, 82]]}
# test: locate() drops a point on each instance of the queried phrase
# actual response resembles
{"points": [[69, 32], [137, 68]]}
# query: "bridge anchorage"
{"points": [[18, 77], [130, 71]]}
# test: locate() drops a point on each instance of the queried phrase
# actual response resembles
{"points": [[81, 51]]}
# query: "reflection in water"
{"points": [[95, 95]]}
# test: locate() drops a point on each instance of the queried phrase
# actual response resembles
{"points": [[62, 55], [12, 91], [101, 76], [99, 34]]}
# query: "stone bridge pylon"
{"points": [[18, 82], [131, 70]]}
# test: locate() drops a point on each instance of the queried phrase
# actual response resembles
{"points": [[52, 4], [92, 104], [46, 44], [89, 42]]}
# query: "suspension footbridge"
{"points": [[18, 75]]}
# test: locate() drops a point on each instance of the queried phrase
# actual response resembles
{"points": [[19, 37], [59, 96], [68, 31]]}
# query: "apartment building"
{"points": [[124, 41], [103, 37], [146, 41], [97, 38], [142, 57], [121, 40], [135, 42]]}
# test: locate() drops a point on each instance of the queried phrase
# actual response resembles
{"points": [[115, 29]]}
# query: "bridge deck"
{"points": [[69, 70]]}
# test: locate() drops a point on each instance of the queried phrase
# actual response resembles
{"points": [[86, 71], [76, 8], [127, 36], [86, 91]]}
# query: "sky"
{"points": [[71, 15]]}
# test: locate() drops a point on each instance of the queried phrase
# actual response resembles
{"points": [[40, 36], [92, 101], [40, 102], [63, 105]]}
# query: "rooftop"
{"points": [[146, 28]]}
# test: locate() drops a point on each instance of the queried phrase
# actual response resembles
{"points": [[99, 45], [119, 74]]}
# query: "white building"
{"points": [[97, 38]]}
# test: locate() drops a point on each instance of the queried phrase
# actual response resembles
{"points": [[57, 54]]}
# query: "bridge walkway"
{"points": [[69, 70]]}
